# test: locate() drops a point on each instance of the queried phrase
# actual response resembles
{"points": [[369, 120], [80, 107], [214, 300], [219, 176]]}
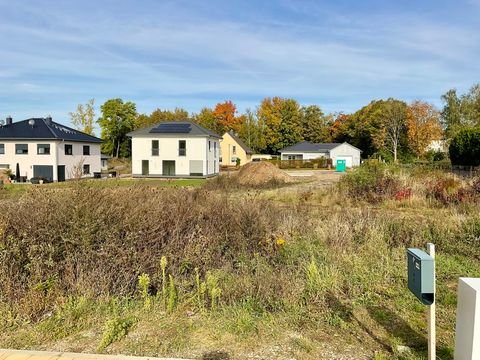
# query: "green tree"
{"points": [[315, 124], [465, 147], [158, 116], [281, 123], [251, 131], [118, 119], [84, 116], [207, 119], [460, 112], [377, 129]]}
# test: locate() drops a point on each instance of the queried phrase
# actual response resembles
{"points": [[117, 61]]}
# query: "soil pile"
{"points": [[260, 173]]}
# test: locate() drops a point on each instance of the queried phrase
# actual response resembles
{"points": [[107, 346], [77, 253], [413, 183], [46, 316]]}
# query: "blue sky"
{"points": [[337, 54]]}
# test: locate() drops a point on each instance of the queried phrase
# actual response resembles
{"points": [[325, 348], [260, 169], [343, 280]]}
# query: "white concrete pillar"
{"points": [[467, 336]]}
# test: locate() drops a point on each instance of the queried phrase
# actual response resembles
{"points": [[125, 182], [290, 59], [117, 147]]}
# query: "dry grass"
{"points": [[291, 275]]}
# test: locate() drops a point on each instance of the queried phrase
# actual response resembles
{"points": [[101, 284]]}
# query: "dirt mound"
{"points": [[259, 173]]}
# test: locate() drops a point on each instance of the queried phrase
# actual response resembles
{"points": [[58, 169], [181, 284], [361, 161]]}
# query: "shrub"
{"points": [[447, 190], [97, 242], [371, 182], [465, 148], [435, 155]]}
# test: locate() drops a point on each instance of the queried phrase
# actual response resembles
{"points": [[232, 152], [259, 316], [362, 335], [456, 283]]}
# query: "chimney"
{"points": [[48, 120], [9, 120]]}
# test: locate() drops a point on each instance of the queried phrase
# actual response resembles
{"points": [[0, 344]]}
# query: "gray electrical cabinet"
{"points": [[421, 275]]}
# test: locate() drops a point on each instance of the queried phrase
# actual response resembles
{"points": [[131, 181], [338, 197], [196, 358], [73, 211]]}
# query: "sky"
{"points": [[339, 54]]}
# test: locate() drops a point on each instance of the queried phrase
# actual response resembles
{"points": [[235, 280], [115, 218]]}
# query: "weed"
{"points": [[143, 285], [172, 294], [115, 330]]}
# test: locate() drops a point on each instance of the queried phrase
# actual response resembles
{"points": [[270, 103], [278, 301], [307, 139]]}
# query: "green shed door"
{"points": [[341, 165]]}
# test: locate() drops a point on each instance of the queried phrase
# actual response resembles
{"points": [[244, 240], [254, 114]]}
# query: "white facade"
{"points": [[200, 157], [34, 160], [343, 151], [346, 152], [299, 155]]}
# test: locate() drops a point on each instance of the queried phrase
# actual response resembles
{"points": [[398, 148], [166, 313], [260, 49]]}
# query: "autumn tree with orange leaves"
{"points": [[423, 126], [225, 114]]}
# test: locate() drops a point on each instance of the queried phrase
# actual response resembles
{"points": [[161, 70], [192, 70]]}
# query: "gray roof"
{"points": [[306, 146], [240, 142], [43, 129], [185, 127]]}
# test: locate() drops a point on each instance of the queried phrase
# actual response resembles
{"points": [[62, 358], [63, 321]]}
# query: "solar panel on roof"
{"points": [[170, 128]]}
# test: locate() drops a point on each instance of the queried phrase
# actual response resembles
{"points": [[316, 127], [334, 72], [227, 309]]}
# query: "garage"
{"points": [[335, 151]]}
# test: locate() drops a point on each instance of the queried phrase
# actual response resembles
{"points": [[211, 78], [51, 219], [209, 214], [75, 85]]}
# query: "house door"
{"points": [[61, 173], [168, 168], [145, 170]]}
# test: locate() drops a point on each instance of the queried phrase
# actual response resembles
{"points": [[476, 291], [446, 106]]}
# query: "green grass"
{"points": [[16, 190]]}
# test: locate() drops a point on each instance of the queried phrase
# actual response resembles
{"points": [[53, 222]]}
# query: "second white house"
{"points": [[40, 147], [335, 151], [175, 149]]}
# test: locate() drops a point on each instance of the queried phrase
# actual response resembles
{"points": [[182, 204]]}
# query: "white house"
{"points": [[40, 147], [175, 149], [335, 151]]}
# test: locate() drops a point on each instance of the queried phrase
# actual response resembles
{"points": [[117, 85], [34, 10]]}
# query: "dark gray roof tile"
{"points": [[306, 146], [43, 130]]}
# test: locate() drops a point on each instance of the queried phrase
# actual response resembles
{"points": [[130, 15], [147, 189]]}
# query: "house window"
{"points": [[86, 169], [209, 145], [234, 150], [182, 148], [154, 147], [86, 149], [2, 149], [68, 149], [21, 149], [214, 149], [43, 149]]}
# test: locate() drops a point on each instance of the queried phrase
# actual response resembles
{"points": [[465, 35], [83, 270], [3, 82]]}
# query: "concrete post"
{"points": [[467, 336]]}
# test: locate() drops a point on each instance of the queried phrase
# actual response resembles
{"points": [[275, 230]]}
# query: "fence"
{"points": [[321, 163]]}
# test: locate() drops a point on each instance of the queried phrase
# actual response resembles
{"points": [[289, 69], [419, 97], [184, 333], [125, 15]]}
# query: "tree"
{"points": [[281, 123], [423, 126], [461, 112], [394, 119], [225, 114], [251, 131], [158, 116], [83, 117], [465, 147], [207, 119], [315, 125], [118, 119]]}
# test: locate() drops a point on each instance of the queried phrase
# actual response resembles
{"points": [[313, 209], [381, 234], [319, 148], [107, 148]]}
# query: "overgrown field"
{"points": [[220, 273]]}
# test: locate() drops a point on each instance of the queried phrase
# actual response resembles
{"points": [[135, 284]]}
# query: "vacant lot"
{"points": [[229, 271]]}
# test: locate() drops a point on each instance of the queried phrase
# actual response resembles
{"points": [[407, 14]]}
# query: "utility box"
{"points": [[421, 275]]}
